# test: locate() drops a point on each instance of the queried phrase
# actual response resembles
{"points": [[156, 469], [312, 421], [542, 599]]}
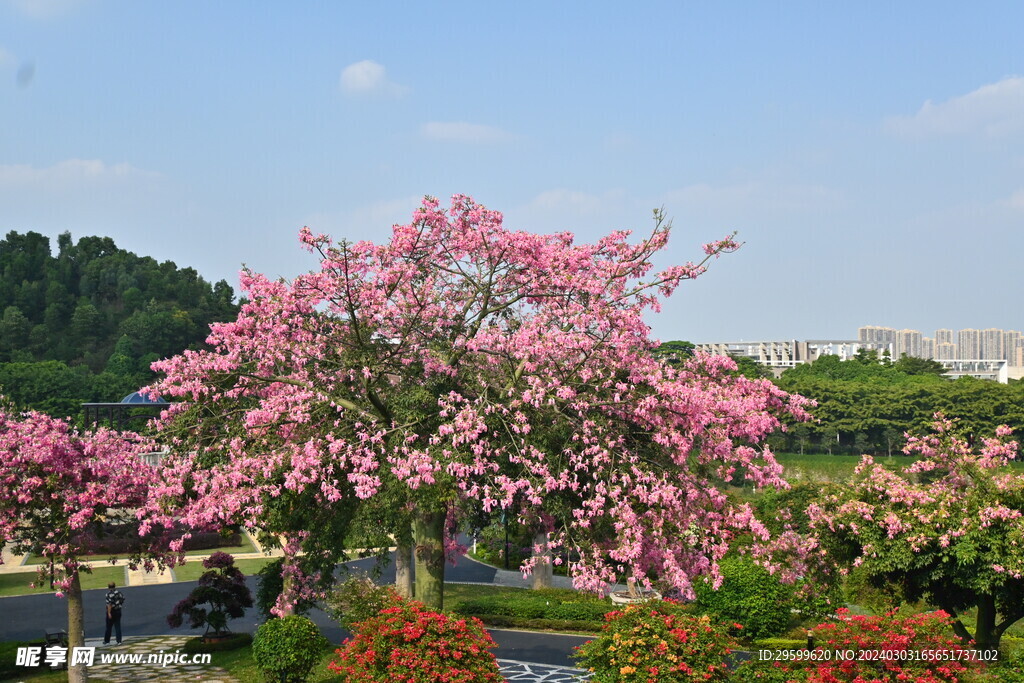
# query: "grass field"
{"points": [[18, 584], [245, 547], [193, 569]]}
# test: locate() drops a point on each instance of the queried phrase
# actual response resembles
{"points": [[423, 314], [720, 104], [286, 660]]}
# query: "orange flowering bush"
{"points": [[656, 641], [405, 643]]}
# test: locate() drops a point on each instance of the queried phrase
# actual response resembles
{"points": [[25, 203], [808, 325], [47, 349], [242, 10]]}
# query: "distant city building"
{"points": [[877, 335], [927, 347], [968, 344], [990, 354], [1012, 343], [992, 345], [994, 369], [784, 354], [908, 342]]}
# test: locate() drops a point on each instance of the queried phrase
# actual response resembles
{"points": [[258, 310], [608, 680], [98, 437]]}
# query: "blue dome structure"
{"points": [[138, 398], [132, 408]]}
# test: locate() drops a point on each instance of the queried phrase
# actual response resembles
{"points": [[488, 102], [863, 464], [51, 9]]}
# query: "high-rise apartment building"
{"points": [[1011, 341], [992, 345], [968, 344], [945, 351], [879, 335], [908, 342]]}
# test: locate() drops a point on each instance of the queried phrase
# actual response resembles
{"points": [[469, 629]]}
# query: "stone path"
{"points": [[125, 672]]}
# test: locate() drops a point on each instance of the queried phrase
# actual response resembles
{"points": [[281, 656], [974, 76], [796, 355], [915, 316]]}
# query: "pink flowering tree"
{"points": [[57, 486], [948, 530], [463, 365]]}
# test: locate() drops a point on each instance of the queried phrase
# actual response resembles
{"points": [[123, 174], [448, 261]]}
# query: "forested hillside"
{"points": [[84, 323]]}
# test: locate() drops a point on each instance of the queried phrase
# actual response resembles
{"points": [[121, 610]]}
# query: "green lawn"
{"points": [[18, 584], [193, 569], [245, 547]]}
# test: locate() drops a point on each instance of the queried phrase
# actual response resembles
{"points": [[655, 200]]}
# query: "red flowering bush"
{"points": [[888, 648], [656, 641], [407, 644]]}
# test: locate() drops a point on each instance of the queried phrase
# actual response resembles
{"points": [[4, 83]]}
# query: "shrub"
{"points": [[223, 588], [561, 605], [409, 644], [656, 641], [578, 611], [287, 649], [357, 599], [889, 638], [748, 595]]}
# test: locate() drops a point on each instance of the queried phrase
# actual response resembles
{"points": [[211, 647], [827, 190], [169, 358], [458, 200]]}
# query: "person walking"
{"points": [[114, 600]]}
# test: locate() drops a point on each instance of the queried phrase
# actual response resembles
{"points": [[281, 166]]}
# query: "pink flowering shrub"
{"points": [[948, 530], [405, 643], [657, 641]]}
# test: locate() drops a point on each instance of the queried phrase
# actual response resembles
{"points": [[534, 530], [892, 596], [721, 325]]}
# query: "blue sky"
{"points": [[871, 155]]}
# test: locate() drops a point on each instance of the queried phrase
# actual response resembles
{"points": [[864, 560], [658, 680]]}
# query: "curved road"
{"points": [[28, 617]]}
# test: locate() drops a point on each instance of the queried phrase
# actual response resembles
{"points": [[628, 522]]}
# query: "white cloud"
{"points": [[995, 109], [460, 131], [368, 78], [6, 59], [44, 9], [71, 172]]}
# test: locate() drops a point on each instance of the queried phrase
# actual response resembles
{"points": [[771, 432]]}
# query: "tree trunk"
{"points": [[76, 630], [543, 571], [287, 587], [985, 635], [428, 534], [403, 563]]}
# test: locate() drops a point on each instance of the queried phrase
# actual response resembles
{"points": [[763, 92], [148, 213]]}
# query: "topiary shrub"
{"points": [[223, 588], [407, 643], [286, 650], [657, 641], [750, 596]]}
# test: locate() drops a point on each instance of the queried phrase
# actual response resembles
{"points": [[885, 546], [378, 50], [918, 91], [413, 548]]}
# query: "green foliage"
{"points": [[357, 599], [287, 649], [866, 406], [83, 326], [748, 596], [550, 605]]}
